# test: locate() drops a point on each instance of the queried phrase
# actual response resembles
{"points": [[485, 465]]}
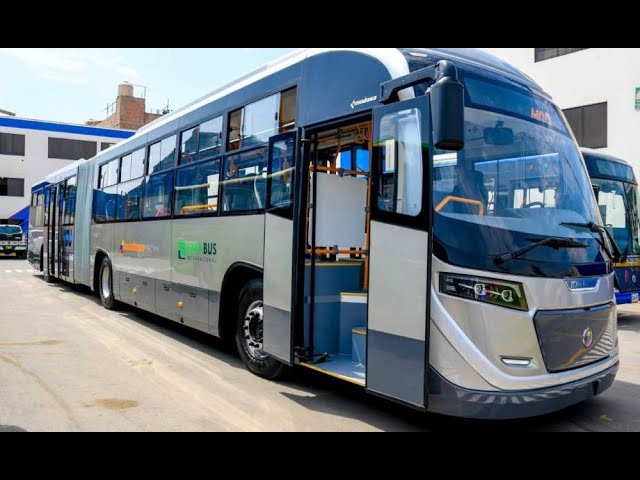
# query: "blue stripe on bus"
{"points": [[63, 128]]}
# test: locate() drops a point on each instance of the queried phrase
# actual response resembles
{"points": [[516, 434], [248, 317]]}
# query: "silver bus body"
{"points": [[387, 310]]}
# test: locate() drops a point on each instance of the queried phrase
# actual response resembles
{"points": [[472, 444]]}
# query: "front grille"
{"points": [[564, 334]]}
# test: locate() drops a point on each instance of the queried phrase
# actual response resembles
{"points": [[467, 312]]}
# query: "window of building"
{"points": [[543, 54], [245, 178], [11, 187], [197, 189], [104, 146], [158, 194], [589, 125], [12, 144], [162, 155], [66, 149]]}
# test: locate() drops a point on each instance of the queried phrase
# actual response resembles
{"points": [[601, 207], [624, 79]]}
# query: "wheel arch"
{"points": [[236, 277], [100, 255]]}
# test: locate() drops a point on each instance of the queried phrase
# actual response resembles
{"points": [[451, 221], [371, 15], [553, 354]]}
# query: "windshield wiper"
{"points": [[552, 242], [616, 255]]}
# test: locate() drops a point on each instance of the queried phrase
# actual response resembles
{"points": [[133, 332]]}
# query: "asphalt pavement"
{"points": [[66, 364]]}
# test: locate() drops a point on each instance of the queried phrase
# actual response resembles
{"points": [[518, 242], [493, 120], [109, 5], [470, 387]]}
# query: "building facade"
{"points": [[31, 149], [598, 89], [128, 112]]}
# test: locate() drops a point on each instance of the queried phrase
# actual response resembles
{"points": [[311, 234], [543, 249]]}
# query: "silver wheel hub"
{"points": [[253, 331], [105, 283]]}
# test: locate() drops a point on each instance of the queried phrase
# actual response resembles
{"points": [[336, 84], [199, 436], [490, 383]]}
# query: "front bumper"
{"points": [[627, 298], [11, 249], [448, 399]]}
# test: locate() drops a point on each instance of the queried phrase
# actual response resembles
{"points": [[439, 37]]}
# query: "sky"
{"points": [[74, 85]]}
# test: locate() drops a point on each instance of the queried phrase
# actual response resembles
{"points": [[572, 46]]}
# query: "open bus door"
{"points": [[279, 248], [400, 257]]}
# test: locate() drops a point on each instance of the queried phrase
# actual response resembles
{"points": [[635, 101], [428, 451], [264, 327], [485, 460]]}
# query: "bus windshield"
{"points": [[519, 180], [619, 206], [10, 230]]}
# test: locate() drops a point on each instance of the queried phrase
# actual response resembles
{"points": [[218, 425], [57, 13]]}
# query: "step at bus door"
{"points": [[279, 248], [399, 276]]}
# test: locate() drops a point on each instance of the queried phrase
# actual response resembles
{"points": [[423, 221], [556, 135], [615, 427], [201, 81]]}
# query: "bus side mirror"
{"points": [[447, 112]]}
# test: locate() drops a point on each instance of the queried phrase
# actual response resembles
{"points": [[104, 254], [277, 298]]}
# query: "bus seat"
{"points": [[240, 197]]}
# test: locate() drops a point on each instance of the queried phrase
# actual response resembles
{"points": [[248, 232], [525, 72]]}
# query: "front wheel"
{"points": [[249, 333], [105, 285]]}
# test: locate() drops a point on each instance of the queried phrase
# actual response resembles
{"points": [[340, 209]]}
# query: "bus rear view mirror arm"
{"points": [[447, 101]]}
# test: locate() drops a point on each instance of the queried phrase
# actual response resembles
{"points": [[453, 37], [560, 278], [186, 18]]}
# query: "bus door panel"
{"points": [[52, 231], [59, 231], [399, 274], [279, 248]]}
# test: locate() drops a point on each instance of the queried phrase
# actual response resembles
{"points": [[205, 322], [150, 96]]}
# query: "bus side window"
{"points": [[245, 180], [281, 176], [158, 194], [401, 169], [197, 189]]}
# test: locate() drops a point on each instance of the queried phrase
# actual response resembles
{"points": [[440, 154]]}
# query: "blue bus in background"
{"points": [[616, 188]]}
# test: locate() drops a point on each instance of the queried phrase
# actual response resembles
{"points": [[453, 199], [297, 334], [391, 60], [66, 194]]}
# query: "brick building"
{"points": [[129, 112]]}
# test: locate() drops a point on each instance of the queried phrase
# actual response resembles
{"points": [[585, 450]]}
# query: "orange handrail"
{"points": [[194, 208], [467, 201], [340, 171]]}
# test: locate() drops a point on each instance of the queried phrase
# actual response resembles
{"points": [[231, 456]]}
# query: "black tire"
{"points": [[47, 278], [105, 285], [22, 255], [249, 330], [43, 268]]}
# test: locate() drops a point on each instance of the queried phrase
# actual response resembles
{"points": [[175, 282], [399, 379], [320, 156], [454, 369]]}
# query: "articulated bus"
{"points": [[616, 189], [418, 222]]}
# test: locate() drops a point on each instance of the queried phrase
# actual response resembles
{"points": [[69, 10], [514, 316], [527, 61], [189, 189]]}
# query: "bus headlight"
{"points": [[485, 290]]}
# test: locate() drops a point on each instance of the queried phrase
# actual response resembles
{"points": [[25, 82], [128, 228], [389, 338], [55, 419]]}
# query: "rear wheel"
{"points": [[105, 285], [22, 255], [45, 269], [249, 333]]}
